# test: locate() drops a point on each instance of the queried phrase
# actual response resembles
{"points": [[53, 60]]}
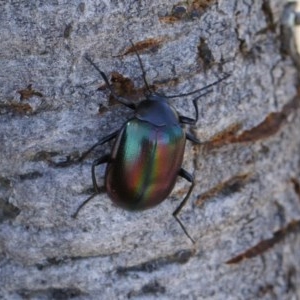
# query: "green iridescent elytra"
{"points": [[146, 157]]}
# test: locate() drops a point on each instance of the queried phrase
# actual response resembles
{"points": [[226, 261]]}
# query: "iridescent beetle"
{"points": [[148, 151]]}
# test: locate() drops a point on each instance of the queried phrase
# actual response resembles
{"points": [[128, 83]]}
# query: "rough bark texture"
{"points": [[244, 212]]}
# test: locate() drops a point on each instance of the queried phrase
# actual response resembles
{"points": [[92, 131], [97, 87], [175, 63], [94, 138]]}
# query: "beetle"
{"points": [[147, 155]]}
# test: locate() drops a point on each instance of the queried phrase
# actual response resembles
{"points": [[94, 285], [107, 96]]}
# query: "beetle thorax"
{"points": [[157, 112]]}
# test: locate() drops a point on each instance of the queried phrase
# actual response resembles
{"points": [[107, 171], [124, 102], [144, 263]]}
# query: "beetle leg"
{"points": [[190, 121], [69, 161], [118, 98], [189, 178], [97, 162], [192, 138], [99, 143]]}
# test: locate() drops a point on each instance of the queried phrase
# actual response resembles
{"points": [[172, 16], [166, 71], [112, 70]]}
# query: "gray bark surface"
{"points": [[244, 212]]}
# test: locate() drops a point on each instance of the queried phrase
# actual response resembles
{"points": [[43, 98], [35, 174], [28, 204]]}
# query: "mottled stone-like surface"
{"points": [[244, 212]]}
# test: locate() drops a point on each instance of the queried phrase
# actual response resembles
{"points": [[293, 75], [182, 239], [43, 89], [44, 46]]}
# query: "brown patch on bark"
{"points": [[186, 11], [233, 185], [205, 56], [150, 44], [28, 93], [265, 245], [296, 184], [124, 87], [15, 107], [268, 127]]}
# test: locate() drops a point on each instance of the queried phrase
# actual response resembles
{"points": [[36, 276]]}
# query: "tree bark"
{"points": [[244, 212]]}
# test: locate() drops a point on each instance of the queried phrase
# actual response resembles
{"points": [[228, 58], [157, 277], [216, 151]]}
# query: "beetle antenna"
{"points": [[141, 65], [118, 98], [97, 68], [200, 90]]}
